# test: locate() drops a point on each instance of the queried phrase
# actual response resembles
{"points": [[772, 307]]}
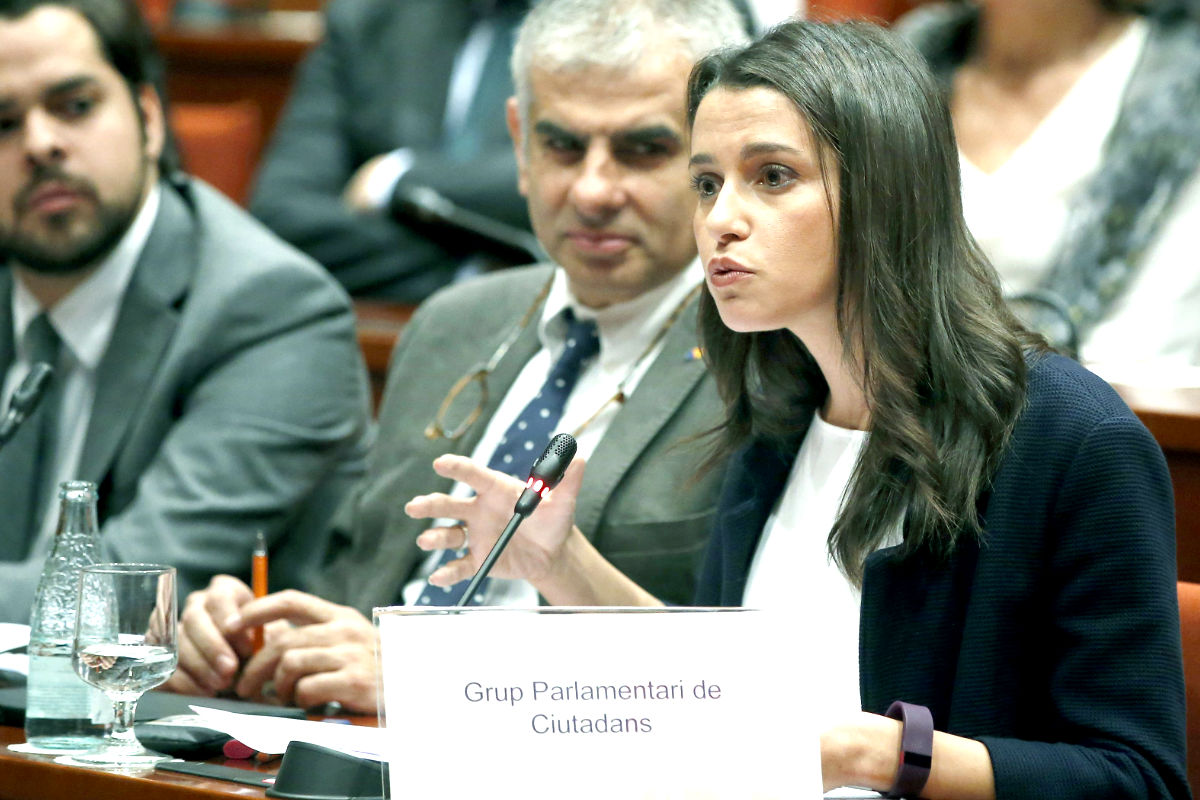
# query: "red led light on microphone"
{"points": [[539, 486]]}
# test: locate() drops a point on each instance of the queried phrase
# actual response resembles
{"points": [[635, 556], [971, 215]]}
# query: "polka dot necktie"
{"points": [[528, 436]]}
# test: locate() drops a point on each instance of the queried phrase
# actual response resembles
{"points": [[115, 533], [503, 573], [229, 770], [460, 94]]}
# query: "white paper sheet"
{"points": [[12, 636], [272, 734]]}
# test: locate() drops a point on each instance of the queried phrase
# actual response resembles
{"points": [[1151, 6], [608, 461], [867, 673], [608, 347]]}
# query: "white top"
{"points": [[625, 330], [1019, 212], [84, 320], [792, 570]]}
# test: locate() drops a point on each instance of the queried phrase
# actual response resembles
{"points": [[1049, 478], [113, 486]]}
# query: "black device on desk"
{"points": [[219, 772], [308, 772], [312, 772]]}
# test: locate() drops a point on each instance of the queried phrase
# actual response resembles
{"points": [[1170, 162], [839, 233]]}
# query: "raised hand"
{"points": [[534, 553]]}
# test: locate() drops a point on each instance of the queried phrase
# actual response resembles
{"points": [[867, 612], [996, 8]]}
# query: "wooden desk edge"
{"points": [[32, 777]]}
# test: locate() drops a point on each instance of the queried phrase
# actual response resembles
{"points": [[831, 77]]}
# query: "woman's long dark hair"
{"points": [[919, 306]]}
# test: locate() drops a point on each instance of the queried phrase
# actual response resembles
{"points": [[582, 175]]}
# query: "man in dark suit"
{"points": [[599, 132], [207, 375], [396, 95]]}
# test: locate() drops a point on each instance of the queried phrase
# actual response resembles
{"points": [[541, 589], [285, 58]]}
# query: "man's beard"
{"points": [[57, 249]]}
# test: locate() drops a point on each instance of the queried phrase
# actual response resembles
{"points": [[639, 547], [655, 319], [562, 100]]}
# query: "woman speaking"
{"points": [[990, 518]]}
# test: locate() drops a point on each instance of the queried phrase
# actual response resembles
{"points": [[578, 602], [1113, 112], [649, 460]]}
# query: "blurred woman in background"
{"points": [[1078, 125]]}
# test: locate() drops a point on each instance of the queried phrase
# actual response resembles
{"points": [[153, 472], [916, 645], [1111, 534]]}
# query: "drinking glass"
{"points": [[124, 644]]}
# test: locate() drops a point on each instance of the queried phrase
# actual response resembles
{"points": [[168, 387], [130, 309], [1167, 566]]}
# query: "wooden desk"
{"points": [[1173, 416], [27, 777], [247, 60]]}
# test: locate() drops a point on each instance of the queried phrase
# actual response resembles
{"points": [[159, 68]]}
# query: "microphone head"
{"points": [[31, 389], [554, 460], [547, 471]]}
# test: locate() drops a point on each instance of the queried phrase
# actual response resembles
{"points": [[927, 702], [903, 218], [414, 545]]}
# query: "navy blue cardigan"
{"points": [[1055, 640]]}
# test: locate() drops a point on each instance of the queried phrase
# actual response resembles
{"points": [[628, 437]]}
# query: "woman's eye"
{"points": [[775, 176], [704, 185]]}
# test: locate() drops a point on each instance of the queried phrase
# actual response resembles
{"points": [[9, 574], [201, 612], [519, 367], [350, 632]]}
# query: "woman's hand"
{"points": [[534, 553], [863, 750], [548, 550]]}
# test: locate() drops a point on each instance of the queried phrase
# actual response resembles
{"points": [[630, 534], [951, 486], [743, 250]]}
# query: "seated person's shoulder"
{"points": [[360, 20], [239, 255], [1067, 403], [504, 289]]}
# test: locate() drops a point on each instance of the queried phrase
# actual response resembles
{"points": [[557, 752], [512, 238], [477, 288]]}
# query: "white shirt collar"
{"points": [[625, 328], [85, 318]]}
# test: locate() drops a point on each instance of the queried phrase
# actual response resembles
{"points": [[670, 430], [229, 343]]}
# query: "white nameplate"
{"points": [[555, 703]]}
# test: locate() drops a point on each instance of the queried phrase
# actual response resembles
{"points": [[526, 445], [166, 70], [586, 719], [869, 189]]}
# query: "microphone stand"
{"points": [[25, 400], [492, 555], [429, 206]]}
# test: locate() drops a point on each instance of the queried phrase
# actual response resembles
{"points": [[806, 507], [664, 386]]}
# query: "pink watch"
{"points": [[916, 748]]}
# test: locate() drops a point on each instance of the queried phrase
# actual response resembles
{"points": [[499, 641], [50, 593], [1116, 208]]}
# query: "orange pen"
{"points": [[258, 582]]}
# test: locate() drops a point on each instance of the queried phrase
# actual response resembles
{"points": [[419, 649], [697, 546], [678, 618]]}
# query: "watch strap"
{"points": [[916, 748]]}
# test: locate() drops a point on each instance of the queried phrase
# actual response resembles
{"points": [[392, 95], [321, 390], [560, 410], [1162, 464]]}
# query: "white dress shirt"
{"points": [[625, 330], [84, 320]]}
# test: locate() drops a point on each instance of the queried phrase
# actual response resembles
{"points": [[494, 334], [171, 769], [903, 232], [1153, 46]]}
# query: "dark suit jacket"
{"points": [[231, 398], [1055, 640], [637, 504], [377, 81]]}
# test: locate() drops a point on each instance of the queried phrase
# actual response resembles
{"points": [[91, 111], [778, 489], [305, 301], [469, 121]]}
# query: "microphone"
{"points": [[25, 399], [430, 206], [547, 471], [545, 474]]}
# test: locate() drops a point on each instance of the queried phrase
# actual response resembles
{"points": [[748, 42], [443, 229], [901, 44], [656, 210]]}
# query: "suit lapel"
{"points": [[659, 394], [145, 325]]}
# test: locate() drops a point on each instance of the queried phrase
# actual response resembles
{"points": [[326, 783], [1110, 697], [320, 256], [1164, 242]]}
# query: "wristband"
{"points": [[916, 748]]}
